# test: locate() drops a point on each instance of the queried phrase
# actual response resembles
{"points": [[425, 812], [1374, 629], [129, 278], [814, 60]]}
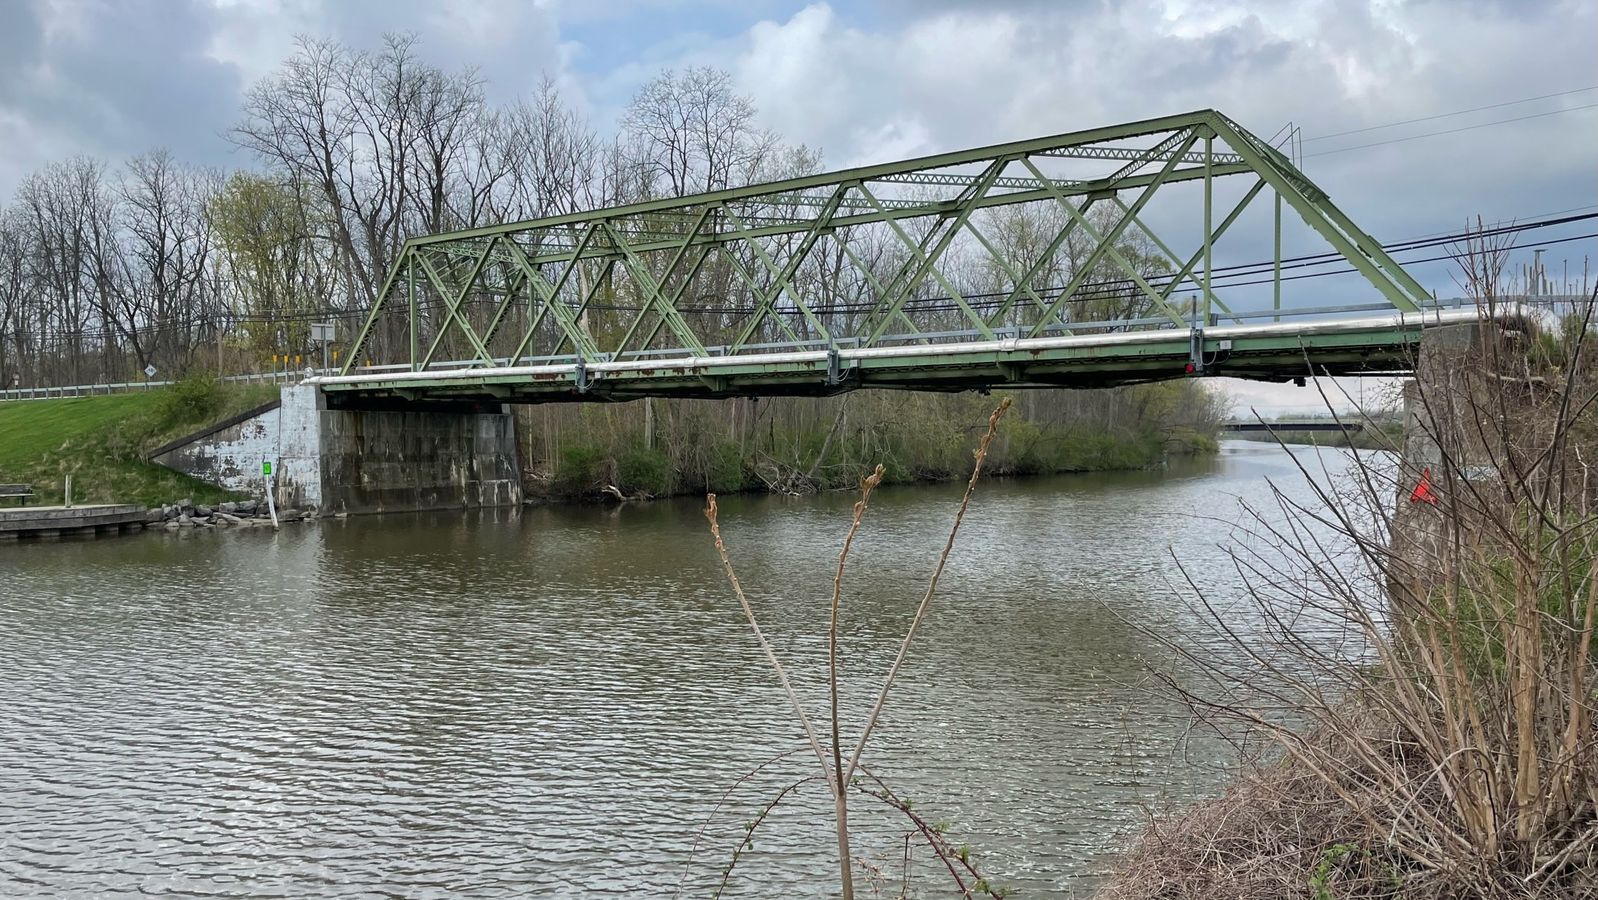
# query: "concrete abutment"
{"points": [[367, 459]]}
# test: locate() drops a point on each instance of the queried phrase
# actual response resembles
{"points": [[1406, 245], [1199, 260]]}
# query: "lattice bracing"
{"points": [[1103, 231]]}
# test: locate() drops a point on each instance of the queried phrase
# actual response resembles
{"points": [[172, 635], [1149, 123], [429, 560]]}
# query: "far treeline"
{"points": [[107, 268]]}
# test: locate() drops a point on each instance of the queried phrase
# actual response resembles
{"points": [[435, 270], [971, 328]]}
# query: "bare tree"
{"points": [[274, 262], [692, 132], [299, 125], [153, 260], [14, 308], [55, 207], [554, 157]]}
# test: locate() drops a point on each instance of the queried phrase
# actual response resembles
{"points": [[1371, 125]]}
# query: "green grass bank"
{"points": [[102, 441]]}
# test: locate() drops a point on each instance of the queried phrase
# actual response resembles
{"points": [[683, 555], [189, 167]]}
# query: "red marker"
{"points": [[1423, 492]]}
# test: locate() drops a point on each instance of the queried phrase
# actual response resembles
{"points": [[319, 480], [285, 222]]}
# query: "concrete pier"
{"points": [[48, 522], [360, 458]]}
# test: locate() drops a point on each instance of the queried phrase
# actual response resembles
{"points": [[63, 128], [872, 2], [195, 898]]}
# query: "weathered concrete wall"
{"points": [[389, 460], [299, 448], [1434, 403], [359, 460], [1472, 400], [230, 453]]}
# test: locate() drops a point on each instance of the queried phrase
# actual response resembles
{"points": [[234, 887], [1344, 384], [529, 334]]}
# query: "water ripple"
{"points": [[553, 703]]}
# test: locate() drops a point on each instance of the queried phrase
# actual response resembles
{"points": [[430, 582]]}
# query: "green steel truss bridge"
{"points": [[1079, 260]]}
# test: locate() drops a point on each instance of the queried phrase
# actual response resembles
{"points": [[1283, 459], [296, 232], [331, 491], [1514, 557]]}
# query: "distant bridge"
{"points": [[1029, 264], [1283, 427]]}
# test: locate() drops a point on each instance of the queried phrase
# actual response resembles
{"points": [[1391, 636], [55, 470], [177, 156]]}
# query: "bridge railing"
{"points": [[58, 392], [1289, 314], [1534, 303]]}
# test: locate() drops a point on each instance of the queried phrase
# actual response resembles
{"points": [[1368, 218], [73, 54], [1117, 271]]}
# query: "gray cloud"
{"points": [[978, 74], [110, 79], [113, 79]]}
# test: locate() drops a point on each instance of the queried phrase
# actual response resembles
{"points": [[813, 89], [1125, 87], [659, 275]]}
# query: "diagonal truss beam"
{"points": [[654, 300], [1121, 178], [452, 302], [783, 277], [1106, 246], [549, 299], [1403, 291], [927, 261], [651, 259], [767, 301]]}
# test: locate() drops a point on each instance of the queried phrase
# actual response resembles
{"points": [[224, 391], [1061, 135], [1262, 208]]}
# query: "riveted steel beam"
{"points": [[916, 246]]}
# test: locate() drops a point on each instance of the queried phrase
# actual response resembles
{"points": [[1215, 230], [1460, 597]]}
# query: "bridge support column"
{"points": [[397, 457], [371, 458]]}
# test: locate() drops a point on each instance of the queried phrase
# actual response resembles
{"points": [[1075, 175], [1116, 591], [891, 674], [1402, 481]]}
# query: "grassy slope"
{"points": [[102, 442]]}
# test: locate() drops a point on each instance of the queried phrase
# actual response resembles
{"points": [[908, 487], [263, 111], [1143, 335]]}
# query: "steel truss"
{"points": [[871, 257]]}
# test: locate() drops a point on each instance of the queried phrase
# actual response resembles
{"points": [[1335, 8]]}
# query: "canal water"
{"points": [[568, 701]]}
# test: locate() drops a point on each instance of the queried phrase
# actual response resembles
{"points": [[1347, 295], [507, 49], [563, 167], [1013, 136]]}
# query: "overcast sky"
{"points": [[870, 82]]}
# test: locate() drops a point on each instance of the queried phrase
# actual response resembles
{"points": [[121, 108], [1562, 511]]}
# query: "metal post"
{"points": [[410, 290], [1276, 279], [271, 504], [1209, 144]]}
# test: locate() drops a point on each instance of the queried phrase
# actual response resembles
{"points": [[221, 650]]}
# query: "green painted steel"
{"points": [[1030, 240], [1274, 352]]}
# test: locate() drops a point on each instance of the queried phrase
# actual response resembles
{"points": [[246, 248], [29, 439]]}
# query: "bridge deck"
{"points": [[1272, 352]]}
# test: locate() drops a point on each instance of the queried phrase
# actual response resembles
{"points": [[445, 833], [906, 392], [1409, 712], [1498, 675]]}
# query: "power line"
{"points": [[1442, 258], [1417, 243], [1107, 289], [1502, 220], [1449, 115], [1416, 137]]}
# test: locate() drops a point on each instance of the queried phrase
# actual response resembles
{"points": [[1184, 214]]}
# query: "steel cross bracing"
{"points": [[954, 268]]}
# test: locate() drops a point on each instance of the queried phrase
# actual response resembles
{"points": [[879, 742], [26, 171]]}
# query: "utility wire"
{"points": [[1416, 137], [1449, 115], [1228, 277], [1512, 220]]}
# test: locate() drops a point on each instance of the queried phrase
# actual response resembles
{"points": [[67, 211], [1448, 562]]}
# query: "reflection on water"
{"points": [[555, 702]]}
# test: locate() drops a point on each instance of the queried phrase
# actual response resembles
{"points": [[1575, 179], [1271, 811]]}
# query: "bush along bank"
{"points": [[659, 448], [1415, 691]]}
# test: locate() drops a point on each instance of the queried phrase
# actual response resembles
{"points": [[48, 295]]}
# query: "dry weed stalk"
{"points": [[838, 776], [1424, 680]]}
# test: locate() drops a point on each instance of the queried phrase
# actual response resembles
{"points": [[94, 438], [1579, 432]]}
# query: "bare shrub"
{"points": [[1415, 700]]}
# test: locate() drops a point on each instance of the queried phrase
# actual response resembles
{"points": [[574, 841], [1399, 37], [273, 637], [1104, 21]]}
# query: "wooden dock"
{"points": [[50, 522]]}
